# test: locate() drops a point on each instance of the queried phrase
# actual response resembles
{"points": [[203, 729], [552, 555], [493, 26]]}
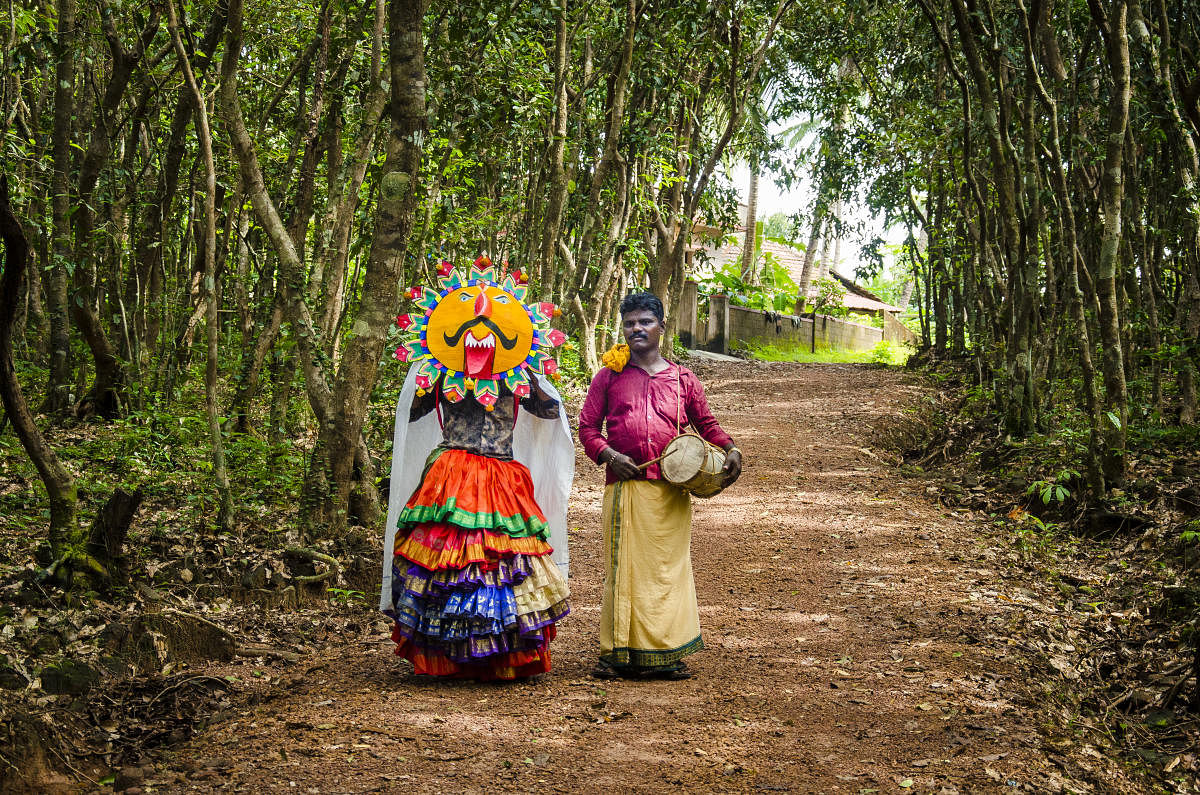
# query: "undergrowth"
{"points": [[1110, 632], [75, 653]]}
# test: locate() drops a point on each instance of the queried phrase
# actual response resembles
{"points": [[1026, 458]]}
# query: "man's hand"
{"points": [[733, 465], [622, 465]]}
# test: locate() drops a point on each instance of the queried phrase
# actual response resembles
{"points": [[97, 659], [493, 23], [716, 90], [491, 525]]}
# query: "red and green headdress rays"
{"points": [[476, 333]]}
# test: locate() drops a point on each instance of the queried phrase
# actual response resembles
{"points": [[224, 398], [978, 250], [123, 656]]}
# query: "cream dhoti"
{"points": [[649, 619]]}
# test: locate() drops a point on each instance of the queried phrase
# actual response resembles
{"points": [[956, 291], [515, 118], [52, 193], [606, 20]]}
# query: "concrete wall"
{"points": [[753, 325], [730, 325], [896, 331], [715, 337], [688, 326]]}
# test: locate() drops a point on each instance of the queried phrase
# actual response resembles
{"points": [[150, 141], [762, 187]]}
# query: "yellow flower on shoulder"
{"points": [[616, 357]]}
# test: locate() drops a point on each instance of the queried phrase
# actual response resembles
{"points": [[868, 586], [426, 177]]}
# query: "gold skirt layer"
{"points": [[649, 617], [543, 589]]}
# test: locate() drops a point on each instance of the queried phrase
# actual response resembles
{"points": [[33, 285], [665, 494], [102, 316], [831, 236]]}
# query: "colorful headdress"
{"points": [[476, 333]]}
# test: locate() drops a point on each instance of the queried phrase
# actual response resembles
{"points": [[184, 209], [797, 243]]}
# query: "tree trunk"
{"points": [[145, 292], [830, 265], [250, 370], [37, 327], [291, 268], [1189, 175], [58, 390], [331, 477], [282, 372], [1016, 394], [750, 243], [674, 220], [557, 199], [810, 256], [1112, 186], [1091, 396], [106, 396], [1191, 330], [340, 218], [609, 161], [212, 294], [938, 253], [64, 535], [106, 537]]}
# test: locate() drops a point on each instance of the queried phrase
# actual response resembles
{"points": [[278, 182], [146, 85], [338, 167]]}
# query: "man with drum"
{"points": [[636, 405]]}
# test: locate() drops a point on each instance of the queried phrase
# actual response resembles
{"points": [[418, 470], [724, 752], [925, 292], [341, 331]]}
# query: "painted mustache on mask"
{"points": [[453, 339]]}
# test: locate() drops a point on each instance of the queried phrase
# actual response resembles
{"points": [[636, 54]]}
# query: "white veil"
{"points": [[545, 446]]}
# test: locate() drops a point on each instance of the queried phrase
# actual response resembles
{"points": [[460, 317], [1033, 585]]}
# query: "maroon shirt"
{"points": [[640, 412]]}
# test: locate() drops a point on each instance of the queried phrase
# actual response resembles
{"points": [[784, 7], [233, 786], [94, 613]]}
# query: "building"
{"points": [[717, 253]]}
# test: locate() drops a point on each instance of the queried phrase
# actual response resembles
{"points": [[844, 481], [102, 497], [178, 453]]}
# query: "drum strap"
{"points": [[681, 409]]}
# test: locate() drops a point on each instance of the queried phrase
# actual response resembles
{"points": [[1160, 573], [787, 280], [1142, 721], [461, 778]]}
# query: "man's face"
{"points": [[643, 330]]}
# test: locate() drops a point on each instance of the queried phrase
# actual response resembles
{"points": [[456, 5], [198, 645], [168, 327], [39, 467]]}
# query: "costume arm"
{"points": [[539, 404], [591, 416], [700, 416], [422, 405]]}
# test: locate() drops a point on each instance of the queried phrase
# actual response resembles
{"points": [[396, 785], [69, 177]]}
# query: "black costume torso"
{"points": [[468, 425]]}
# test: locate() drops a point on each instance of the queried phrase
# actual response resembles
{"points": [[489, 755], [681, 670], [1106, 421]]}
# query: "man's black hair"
{"points": [[636, 302]]}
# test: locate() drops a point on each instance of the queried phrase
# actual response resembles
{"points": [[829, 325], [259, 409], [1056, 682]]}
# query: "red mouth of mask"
{"points": [[479, 355]]}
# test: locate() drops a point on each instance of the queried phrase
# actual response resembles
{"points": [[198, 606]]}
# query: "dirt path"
{"points": [[845, 616]]}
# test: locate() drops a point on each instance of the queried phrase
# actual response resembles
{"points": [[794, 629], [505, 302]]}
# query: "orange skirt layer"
{"points": [[475, 491], [442, 546], [510, 665]]}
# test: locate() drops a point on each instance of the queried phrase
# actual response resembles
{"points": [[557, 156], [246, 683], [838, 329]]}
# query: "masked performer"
{"points": [[475, 555]]}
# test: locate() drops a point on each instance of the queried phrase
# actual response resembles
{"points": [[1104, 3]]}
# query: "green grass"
{"points": [[888, 353]]}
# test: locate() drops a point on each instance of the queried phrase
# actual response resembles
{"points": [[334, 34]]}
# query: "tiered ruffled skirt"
{"points": [[474, 591]]}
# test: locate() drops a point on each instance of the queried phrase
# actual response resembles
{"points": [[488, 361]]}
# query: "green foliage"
{"points": [[781, 228], [345, 596], [830, 297], [885, 352], [889, 283], [890, 353], [163, 449], [571, 365], [1052, 489], [1032, 534], [776, 291], [266, 474], [864, 319], [1152, 434]]}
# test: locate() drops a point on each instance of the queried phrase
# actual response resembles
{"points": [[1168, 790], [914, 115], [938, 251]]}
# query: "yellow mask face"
{"points": [[479, 330], [475, 335]]}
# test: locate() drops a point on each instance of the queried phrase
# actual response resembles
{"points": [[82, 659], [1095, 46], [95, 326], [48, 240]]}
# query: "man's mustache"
{"points": [[453, 339]]}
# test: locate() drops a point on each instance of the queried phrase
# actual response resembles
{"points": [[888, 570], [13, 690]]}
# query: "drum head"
{"points": [[683, 457]]}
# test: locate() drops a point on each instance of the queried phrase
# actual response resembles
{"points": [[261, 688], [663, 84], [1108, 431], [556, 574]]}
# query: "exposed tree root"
{"points": [[312, 554]]}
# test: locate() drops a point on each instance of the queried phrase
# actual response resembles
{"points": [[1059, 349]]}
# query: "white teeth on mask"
{"points": [[487, 342]]}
